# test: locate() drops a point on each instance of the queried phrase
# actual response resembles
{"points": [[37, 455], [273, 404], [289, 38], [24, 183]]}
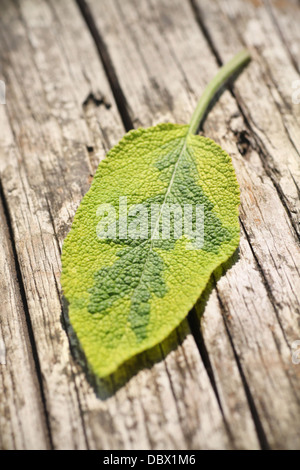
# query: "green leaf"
{"points": [[126, 294]]}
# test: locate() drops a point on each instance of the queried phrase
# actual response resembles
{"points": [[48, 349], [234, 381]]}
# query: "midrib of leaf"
{"points": [[161, 211], [168, 189]]}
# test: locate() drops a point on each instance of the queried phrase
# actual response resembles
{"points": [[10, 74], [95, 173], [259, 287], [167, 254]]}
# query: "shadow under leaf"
{"points": [[107, 387]]}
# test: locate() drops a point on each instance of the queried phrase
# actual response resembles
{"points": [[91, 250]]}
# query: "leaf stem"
{"points": [[224, 73]]}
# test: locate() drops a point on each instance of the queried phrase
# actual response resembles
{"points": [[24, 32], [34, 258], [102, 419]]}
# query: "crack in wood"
{"points": [[107, 64]]}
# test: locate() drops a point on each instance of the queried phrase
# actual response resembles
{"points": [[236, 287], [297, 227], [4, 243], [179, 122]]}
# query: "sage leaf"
{"points": [[161, 215]]}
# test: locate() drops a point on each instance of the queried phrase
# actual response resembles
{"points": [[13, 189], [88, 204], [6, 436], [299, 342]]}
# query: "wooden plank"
{"points": [[50, 74], [161, 84], [22, 418]]}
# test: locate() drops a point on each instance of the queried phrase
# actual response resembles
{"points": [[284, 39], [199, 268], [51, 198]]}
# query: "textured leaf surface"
{"points": [[126, 295]]}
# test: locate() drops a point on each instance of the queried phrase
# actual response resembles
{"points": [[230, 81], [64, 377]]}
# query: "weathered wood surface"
{"points": [[77, 76]]}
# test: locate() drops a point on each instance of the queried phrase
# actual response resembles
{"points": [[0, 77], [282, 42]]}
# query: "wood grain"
{"points": [[77, 76], [22, 417]]}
